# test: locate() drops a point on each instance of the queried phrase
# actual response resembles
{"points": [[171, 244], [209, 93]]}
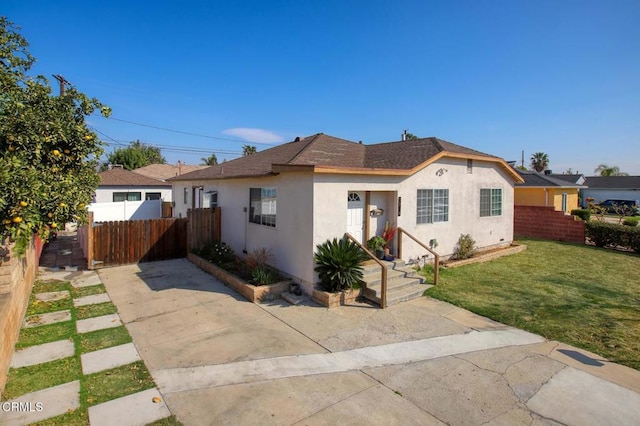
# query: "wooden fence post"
{"points": [[90, 241]]}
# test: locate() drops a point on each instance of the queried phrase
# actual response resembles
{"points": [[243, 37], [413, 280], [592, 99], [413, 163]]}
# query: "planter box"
{"points": [[333, 300], [252, 293], [488, 255]]}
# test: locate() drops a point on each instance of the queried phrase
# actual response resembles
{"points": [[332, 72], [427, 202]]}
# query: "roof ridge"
{"points": [[312, 138]]}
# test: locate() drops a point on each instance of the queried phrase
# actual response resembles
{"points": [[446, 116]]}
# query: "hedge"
{"points": [[604, 234], [583, 214]]}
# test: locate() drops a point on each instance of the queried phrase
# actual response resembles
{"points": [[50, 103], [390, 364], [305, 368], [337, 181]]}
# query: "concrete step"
{"points": [[403, 282], [397, 295]]}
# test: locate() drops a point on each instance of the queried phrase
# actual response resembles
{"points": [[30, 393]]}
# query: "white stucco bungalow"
{"points": [[291, 197]]}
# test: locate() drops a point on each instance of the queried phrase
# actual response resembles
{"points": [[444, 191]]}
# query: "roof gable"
{"points": [[166, 171], [537, 179]]}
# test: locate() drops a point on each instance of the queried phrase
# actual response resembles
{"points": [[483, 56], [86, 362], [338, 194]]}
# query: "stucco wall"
{"points": [[550, 197], [105, 194], [330, 200]]}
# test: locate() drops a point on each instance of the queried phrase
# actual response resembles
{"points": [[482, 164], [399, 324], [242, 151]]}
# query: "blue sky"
{"points": [[499, 76]]}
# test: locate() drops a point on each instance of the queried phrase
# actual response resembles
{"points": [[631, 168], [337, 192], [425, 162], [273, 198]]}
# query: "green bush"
{"points": [[584, 214], [376, 243], [216, 252], [631, 221], [262, 275], [465, 248], [604, 234], [338, 264]]}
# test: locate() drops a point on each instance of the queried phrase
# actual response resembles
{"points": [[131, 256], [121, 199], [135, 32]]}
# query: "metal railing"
{"points": [[436, 256], [383, 272]]}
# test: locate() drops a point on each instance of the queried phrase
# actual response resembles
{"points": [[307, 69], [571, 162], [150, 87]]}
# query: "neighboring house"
{"points": [[166, 171], [124, 195], [602, 188], [538, 189], [297, 195]]}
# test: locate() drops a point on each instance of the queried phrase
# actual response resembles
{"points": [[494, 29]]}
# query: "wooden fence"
{"points": [[204, 227], [135, 241]]}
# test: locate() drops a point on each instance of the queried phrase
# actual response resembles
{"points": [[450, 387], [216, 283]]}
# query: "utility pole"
{"points": [[522, 160], [62, 82]]}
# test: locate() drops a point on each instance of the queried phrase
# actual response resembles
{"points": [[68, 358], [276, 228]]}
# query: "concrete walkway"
{"points": [[221, 360]]}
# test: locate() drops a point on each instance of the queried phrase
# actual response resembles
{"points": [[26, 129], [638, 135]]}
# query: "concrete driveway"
{"points": [[219, 359]]}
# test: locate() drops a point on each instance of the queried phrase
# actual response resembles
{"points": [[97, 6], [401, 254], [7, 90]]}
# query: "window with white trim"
{"points": [[262, 206], [490, 202], [127, 196], [432, 205]]}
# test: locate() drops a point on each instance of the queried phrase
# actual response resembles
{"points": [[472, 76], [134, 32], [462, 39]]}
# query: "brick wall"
{"points": [[16, 281], [546, 223]]}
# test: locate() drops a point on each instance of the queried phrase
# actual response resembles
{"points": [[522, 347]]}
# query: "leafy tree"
{"points": [[539, 161], [48, 155], [410, 136], [212, 160], [605, 170], [248, 150], [137, 154]]}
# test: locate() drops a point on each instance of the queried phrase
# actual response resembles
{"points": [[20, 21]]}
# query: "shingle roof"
{"points": [[536, 179], [573, 178], [613, 182], [166, 171], [122, 177], [329, 151]]}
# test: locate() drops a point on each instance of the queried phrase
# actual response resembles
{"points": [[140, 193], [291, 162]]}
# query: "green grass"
{"points": [[36, 377], [581, 295], [79, 417], [40, 307], [117, 382], [46, 334], [52, 285], [101, 339], [90, 311], [87, 291], [167, 421]]}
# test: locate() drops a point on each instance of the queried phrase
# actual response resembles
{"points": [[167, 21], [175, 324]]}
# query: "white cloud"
{"points": [[254, 135]]}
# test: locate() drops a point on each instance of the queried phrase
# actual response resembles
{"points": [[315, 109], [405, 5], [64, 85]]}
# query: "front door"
{"points": [[355, 215]]}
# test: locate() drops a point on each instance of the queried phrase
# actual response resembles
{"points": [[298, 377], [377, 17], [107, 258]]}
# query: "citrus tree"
{"points": [[48, 155]]}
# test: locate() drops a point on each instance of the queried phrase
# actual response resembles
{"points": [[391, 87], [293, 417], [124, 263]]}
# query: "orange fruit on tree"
{"points": [[17, 219], [56, 153], [66, 151], [54, 225], [23, 203]]}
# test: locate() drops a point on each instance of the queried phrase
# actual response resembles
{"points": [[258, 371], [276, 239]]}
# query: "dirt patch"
{"points": [[486, 255]]}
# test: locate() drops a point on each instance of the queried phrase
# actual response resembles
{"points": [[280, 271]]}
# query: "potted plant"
{"points": [[376, 244], [387, 235]]}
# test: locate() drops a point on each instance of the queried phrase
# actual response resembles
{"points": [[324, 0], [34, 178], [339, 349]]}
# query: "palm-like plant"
{"points": [[248, 150], [605, 170], [338, 264], [539, 161]]}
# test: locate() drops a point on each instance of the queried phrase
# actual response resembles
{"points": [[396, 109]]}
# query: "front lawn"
{"points": [[581, 295]]}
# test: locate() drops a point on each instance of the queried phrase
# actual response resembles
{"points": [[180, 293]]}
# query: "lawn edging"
{"points": [[250, 292], [487, 256]]}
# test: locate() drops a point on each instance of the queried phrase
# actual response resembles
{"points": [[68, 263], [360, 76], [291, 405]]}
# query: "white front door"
{"points": [[355, 215]]}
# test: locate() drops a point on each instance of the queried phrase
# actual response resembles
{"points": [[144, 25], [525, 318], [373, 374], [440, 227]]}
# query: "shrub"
{"points": [[376, 243], [584, 214], [260, 257], [338, 264], [216, 252], [604, 234], [630, 221], [465, 248], [262, 275]]}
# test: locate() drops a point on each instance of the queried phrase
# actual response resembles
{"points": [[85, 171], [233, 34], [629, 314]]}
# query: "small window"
{"points": [[152, 196], [565, 199], [490, 202], [432, 206], [186, 195], [210, 199], [262, 202], [469, 166], [127, 196]]}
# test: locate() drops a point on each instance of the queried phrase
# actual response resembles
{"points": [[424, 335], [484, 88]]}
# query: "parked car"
{"points": [[628, 205]]}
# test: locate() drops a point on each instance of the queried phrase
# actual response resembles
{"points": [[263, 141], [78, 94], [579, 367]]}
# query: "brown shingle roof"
{"points": [[122, 177], [166, 171], [329, 151]]}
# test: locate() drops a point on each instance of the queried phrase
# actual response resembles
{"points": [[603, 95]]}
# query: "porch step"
{"points": [[403, 282]]}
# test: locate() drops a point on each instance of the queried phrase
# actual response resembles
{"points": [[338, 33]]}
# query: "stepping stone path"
{"points": [[136, 409], [48, 318]]}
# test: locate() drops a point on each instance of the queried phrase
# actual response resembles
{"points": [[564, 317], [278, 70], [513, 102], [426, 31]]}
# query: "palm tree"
{"points": [[604, 170], [539, 161], [248, 150], [212, 160]]}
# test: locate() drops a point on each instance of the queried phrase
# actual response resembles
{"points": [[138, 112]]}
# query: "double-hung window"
{"points": [[432, 206], [490, 202], [127, 196], [262, 208]]}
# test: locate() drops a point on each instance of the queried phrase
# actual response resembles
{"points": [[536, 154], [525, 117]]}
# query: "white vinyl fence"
{"points": [[126, 210]]}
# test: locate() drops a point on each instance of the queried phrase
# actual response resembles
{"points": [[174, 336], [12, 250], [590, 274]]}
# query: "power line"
{"points": [[186, 133]]}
